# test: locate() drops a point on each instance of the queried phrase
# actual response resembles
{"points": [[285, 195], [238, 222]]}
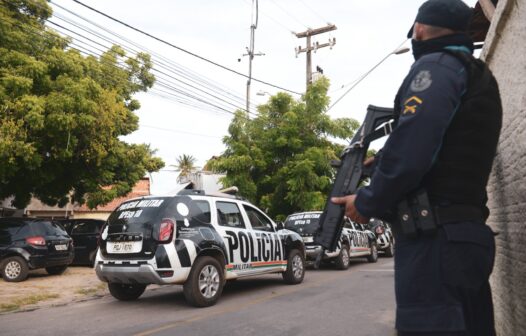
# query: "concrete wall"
{"points": [[505, 52]]}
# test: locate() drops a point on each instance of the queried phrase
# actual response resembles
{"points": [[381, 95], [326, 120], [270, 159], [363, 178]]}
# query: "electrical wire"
{"points": [[179, 48], [290, 15], [361, 78], [315, 12], [113, 42], [173, 66]]}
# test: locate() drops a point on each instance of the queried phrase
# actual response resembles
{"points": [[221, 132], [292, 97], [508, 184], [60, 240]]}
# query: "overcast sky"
{"points": [[366, 32]]}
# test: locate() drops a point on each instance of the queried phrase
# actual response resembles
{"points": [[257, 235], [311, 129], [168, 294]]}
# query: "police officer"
{"points": [[449, 117]]}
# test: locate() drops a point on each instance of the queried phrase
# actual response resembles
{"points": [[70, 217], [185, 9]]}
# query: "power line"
{"points": [[359, 80], [290, 15], [181, 70], [153, 69], [178, 48], [90, 52], [89, 31], [315, 12]]}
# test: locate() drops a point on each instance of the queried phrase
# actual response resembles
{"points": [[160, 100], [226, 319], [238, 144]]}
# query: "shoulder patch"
{"points": [[422, 81]]}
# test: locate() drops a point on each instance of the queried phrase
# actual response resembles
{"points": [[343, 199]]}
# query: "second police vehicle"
{"points": [[355, 240], [196, 240]]}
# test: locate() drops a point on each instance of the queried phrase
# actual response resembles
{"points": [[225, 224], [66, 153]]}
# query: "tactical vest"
{"points": [[462, 167]]}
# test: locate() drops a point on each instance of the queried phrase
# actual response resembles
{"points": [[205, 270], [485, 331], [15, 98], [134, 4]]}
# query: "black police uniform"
{"points": [[449, 118]]}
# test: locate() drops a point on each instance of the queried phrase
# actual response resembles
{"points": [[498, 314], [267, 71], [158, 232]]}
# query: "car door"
{"points": [[84, 234], [267, 252], [232, 227], [363, 238]]}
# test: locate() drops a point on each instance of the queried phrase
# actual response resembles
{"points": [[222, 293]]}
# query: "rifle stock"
{"points": [[351, 173]]}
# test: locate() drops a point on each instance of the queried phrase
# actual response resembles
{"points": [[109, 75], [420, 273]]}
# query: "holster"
{"points": [[415, 215]]}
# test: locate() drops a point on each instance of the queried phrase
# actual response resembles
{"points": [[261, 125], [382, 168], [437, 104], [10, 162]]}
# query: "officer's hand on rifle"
{"points": [[369, 161], [350, 209]]}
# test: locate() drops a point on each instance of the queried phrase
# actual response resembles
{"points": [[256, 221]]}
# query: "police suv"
{"points": [[355, 240], [384, 236], [196, 240]]}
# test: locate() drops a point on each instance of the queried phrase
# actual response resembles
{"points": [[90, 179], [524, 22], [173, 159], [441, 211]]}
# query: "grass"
{"points": [[90, 290], [28, 300]]}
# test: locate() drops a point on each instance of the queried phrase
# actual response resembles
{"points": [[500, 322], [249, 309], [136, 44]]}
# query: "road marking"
{"points": [[236, 307]]}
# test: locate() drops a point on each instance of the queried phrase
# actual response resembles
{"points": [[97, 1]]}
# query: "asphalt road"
{"points": [[355, 302]]}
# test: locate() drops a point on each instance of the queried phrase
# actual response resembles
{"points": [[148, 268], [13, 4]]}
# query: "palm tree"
{"points": [[185, 165]]}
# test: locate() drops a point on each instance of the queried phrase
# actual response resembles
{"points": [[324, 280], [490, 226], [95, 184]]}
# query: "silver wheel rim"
{"points": [[297, 266], [345, 257], [375, 251], [13, 269], [209, 281]]}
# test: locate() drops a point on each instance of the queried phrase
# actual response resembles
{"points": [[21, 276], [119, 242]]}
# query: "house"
{"points": [[37, 209]]}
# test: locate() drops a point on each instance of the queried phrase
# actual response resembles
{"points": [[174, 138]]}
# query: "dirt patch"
{"points": [[77, 283]]}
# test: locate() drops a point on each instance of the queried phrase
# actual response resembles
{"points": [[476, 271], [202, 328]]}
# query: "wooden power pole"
{"points": [[316, 46]]}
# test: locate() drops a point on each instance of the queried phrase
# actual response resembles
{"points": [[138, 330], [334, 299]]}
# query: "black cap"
{"points": [[452, 14]]}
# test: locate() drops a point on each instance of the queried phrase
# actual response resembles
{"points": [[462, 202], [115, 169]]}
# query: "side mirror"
{"points": [[279, 226]]}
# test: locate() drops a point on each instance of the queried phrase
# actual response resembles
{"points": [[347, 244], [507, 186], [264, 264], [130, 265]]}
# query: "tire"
{"points": [[14, 269], [389, 251], [295, 268], [56, 270], [373, 257], [92, 257], [343, 261], [205, 282], [124, 292]]}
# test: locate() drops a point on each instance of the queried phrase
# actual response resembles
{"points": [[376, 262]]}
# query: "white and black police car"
{"points": [[355, 240], [196, 240], [384, 236]]}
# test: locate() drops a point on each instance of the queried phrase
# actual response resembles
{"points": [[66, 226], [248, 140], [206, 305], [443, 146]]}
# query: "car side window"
{"points": [[84, 227], [228, 214], [258, 220]]}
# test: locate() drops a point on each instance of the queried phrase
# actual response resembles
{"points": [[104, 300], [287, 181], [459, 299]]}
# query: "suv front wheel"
{"points": [[295, 268], [342, 260], [205, 282], [373, 257], [124, 292], [14, 269]]}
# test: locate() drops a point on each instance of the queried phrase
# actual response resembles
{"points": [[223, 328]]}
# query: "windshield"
{"points": [[303, 223], [45, 228], [141, 215]]}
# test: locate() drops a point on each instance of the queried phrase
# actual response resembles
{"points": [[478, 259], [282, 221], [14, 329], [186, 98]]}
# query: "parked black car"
{"points": [[28, 243], [85, 234]]}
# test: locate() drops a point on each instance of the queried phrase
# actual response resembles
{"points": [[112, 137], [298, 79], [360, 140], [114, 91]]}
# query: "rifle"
{"points": [[378, 122]]}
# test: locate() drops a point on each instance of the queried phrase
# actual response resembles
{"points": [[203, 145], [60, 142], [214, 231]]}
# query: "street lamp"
{"points": [[262, 93]]}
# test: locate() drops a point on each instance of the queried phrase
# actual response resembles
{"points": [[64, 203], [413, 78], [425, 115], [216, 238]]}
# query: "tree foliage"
{"points": [[61, 114], [185, 165], [280, 160]]}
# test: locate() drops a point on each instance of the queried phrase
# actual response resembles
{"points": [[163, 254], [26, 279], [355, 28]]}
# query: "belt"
{"points": [[458, 213]]}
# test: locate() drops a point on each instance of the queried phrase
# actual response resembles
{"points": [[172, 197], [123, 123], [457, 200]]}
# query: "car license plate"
{"points": [[308, 239], [124, 247], [61, 247]]}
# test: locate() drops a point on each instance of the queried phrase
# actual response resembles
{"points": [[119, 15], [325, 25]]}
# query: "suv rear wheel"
{"points": [[56, 270], [205, 282], [14, 269], [373, 257], [295, 268], [125, 292], [342, 260]]}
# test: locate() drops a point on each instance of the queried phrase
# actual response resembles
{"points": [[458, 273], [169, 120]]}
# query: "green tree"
{"points": [[61, 114], [185, 165], [280, 160]]}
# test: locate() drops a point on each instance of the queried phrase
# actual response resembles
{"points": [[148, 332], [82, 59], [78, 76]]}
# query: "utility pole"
{"points": [[250, 49], [316, 46]]}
